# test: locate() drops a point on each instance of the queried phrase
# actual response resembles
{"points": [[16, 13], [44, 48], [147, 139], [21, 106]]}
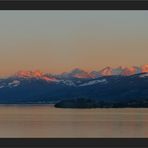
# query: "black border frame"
{"points": [[74, 142], [74, 5]]}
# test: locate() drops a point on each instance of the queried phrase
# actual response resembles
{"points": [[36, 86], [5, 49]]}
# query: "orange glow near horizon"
{"points": [[59, 41]]}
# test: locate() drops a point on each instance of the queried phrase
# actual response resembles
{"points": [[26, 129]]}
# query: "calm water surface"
{"points": [[47, 121]]}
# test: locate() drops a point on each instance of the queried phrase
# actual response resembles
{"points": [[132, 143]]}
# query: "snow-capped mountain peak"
{"points": [[81, 74], [77, 73], [144, 68], [35, 74], [26, 74], [107, 71], [131, 71]]}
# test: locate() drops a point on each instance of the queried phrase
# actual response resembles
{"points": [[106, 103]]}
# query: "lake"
{"points": [[46, 121]]}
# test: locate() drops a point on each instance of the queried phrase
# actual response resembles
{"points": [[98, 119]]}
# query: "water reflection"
{"points": [[47, 121]]}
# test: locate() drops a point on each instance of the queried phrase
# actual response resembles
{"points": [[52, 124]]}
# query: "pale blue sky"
{"points": [[58, 41]]}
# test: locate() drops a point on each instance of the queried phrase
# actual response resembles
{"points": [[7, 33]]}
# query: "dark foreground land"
{"points": [[93, 103]]}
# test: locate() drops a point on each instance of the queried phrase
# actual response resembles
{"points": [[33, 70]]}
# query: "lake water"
{"points": [[47, 121]]}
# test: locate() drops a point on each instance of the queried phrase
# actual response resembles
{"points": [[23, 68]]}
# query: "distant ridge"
{"points": [[35, 87], [82, 74]]}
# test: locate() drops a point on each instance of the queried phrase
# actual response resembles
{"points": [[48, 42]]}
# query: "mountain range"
{"points": [[79, 73], [109, 84]]}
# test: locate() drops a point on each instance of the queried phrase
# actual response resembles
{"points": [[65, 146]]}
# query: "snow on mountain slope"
{"points": [[68, 82], [143, 75], [2, 86], [103, 81], [10, 84], [95, 74], [14, 83]]}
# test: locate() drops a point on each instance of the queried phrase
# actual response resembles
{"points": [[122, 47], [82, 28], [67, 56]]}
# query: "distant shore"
{"points": [[52, 105]]}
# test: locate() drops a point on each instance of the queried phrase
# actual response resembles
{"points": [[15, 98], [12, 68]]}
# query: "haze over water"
{"points": [[47, 121]]}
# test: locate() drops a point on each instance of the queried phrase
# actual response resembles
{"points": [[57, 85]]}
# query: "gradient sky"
{"points": [[58, 41]]}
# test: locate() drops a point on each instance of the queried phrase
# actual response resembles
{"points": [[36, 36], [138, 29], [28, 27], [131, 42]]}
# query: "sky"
{"points": [[59, 41]]}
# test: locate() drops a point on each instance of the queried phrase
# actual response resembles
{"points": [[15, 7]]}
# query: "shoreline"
{"points": [[53, 105]]}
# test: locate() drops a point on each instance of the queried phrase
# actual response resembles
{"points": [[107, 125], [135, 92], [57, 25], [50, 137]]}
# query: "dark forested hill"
{"points": [[105, 88]]}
